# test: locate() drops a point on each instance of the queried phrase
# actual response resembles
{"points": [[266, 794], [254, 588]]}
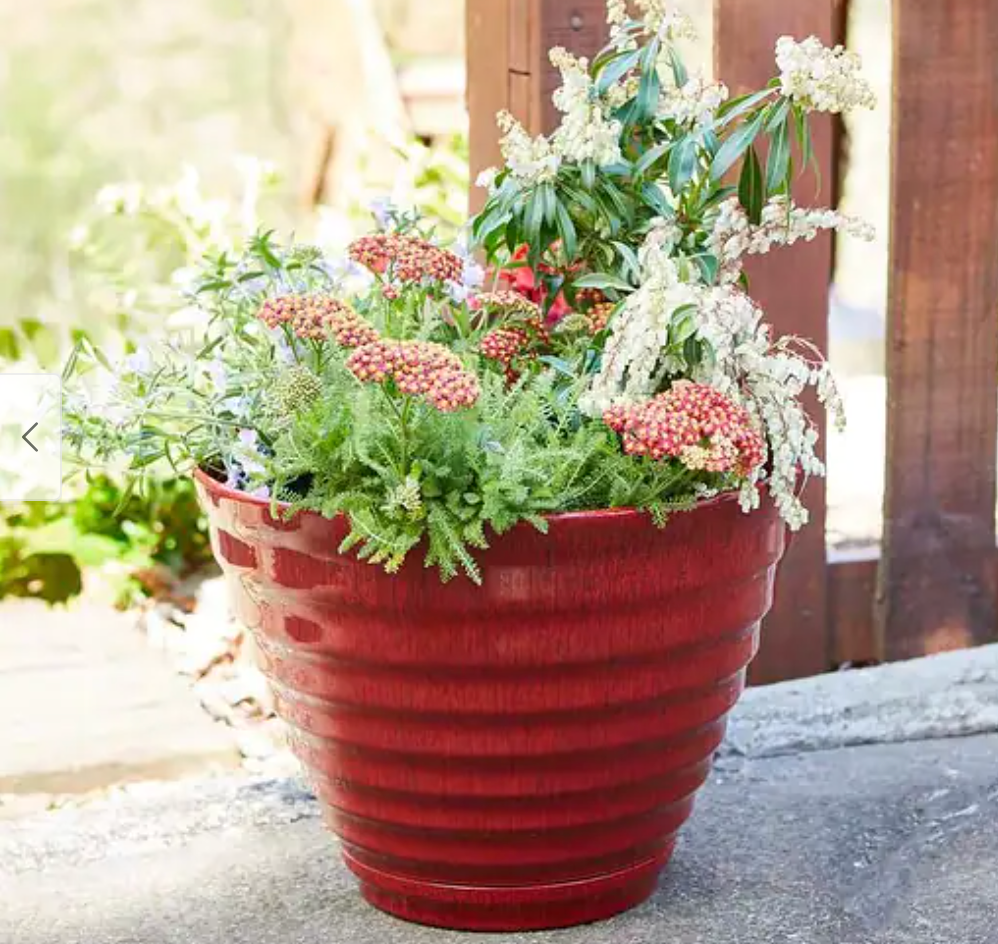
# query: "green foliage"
{"points": [[592, 219], [46, 547], [519, 455], [404, 473]]}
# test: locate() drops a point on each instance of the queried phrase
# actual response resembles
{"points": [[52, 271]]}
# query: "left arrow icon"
{"points": [[34, 426]]}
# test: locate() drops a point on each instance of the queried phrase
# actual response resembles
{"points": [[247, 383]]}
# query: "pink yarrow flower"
{"points": [[407, 259], [419, 368], [317, 317], [694, 423]]}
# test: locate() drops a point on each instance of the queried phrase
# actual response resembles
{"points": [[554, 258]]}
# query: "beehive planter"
{"points": [[519, 755]]}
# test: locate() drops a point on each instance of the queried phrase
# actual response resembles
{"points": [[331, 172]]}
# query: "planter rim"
{"points": [[213, 484]]}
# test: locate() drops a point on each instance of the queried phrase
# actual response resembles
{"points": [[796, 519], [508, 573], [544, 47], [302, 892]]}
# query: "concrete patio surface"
{"points": [[859, 808], [86, 703]]}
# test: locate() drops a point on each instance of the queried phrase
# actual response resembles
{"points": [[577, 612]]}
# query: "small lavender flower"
{"points": [[241, 407], [140, 362], [284, 350], [382, 209], [250, 453], [218, 374], [473, 275], [236, 478], [457, 292]]}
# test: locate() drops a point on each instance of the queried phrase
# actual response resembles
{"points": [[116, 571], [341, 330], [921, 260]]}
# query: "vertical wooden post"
{"points": [[487, 47], [792, 286], [508, 43], [937, 584]]}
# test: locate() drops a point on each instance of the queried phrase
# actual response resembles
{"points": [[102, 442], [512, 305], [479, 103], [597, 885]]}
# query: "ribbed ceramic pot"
{"points": [[519, 755]]}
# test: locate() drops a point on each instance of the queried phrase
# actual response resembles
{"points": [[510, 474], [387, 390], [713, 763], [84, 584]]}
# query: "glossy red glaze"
{"points": [[519, 755]]}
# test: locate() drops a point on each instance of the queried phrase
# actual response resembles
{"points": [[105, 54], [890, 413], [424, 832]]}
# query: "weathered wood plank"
{"points": [[792, 286], [488, 63], [578, 25], [937, 583], [852, 585]]}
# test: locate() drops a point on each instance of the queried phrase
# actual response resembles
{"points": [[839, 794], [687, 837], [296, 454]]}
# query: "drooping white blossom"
{"points": [[765, 377], [633, 356], [783, 223], [486, 179], [586, 132], [530, 160], [663, 19], [820, 78], [694, 103]]}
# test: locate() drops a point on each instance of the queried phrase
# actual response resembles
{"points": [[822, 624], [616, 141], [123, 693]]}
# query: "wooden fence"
{"points": [[931, 585]]}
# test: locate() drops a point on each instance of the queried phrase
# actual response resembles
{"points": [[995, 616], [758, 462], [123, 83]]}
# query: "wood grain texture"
{"points": [[937, 586], [488, 66], [578, 25], [852, 584], [508, 67], [792, 286]]}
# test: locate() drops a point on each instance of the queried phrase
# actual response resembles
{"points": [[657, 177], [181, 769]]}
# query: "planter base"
{"points": [[526, 908], [521, 755]]}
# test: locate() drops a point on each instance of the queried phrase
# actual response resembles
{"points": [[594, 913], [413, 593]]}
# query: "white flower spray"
{"points": [[783, 223], [822, 79], [767, 378]]}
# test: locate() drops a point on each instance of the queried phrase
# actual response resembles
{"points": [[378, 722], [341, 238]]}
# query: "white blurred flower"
{"points": [[79, 235], [188, 318], [530, 160], [487, 178], [140, 362], [586, 132], [185, 278], [822, 79], [126, 198], [695, 103]]}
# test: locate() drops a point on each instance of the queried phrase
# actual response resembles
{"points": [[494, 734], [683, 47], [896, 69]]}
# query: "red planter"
{"points": [[518, 755]]}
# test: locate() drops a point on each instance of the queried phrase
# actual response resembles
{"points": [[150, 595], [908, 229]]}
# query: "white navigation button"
{"points": [[30, 437]]}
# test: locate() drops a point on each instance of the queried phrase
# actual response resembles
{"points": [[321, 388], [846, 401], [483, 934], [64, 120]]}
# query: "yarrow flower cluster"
{"points": [[822, 79], [783, 223], [507, 302], [316, 318], [295, 389], [506, 343], [694, 423], [406, 259], [419, 368], [598, 316]]}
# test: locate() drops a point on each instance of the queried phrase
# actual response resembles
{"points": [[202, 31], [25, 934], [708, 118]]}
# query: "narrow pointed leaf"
{"points": [[751, 193], [778, 161], [735, 146]]}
